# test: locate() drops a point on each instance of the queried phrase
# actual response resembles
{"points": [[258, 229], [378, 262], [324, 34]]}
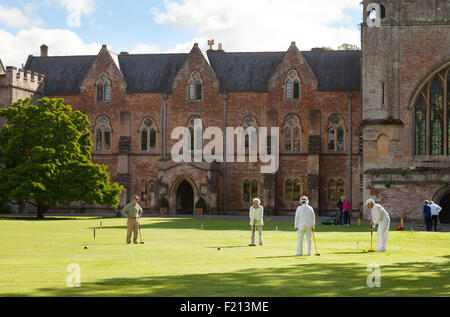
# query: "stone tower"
{"points": [[403, 43], [18, 84]]}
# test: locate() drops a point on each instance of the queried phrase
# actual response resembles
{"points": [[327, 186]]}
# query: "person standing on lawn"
{"points": [[435, 210], [256, 215], [427, 214], [133, 211], [347, 212], [340, 205], [305, 222], [381, 218]]}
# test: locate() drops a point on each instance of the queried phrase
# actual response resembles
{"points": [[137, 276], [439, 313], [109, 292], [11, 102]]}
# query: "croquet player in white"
{"points": [[381, 218], [133, 211], [305, 222], [256, 215]]}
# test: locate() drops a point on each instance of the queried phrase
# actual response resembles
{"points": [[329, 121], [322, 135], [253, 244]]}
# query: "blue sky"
{"points": [[79, 27]]}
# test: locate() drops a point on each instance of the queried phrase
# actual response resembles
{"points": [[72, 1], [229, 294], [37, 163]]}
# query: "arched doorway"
{"points": [[444, 215], [185, 198]]}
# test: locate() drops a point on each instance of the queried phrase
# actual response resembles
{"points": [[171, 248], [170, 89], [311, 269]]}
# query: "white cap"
{"points": [[370, 201]]}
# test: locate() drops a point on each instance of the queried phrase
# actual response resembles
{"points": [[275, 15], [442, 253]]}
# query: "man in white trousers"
{"points": [[435, 210], [305, 221], [381, 218], [256, 215]]}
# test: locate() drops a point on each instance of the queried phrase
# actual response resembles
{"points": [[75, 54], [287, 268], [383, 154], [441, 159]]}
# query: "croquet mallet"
{"points": [[371, 238], [315, 245], [140, 234]]}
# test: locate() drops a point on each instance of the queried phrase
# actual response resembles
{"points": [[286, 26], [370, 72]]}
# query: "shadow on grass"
{"points": [[303, 279], [225, 224], [33, 218]]}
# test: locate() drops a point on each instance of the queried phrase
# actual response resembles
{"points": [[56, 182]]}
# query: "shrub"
{"points": [[200, 203], [163, 202]]}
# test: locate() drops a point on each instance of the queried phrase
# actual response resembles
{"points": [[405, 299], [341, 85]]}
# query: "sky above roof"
{"points": [[80, 27]]}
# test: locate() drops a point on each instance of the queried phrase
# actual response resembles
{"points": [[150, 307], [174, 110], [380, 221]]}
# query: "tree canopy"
{"points": [[45, 156], [348, 47]]}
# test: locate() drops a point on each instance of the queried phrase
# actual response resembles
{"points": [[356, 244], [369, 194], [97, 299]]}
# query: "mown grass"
{"points": [[179, 258]]}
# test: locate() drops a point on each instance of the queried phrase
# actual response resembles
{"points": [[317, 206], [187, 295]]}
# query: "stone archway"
{"points": [[185, 198], [442, 198], [444, 215]]}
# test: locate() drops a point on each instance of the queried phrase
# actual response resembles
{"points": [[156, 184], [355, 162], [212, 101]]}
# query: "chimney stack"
{"points": [[44, 50]]}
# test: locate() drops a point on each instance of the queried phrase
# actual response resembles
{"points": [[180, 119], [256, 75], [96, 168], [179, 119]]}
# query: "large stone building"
{"points": [[405, 84], [371, 120]]}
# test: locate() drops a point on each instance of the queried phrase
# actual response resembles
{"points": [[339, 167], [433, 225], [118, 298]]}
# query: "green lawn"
{"points": [[179, 258]]}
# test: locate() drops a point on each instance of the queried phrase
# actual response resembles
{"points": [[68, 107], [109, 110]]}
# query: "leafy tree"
{"points": [[348, 47], [45, 156]]}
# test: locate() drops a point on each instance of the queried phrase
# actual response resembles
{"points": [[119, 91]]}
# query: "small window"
{"points": [[292, 133], [195, 87], [103, 134], [292, 86], [103, 85], [336, 134], [148, 134]]}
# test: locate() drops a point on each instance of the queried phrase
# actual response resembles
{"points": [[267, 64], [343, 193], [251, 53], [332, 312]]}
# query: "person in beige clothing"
{"points": [[133, 211], [256, 215]]}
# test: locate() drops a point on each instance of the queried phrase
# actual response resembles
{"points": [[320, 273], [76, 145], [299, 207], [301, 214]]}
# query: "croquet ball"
{"points": [[85, 247], [218, 248]]}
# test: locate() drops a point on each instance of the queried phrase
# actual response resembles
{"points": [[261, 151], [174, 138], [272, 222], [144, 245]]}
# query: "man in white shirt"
{"points": [[381, 218], [435, 210], [305, 221], [256, 215]]}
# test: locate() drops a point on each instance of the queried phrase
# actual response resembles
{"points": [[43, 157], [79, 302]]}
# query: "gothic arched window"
{"points": [[103, 85], [431, 109], [250, 190], [292, 190], [249, 121], [102, 134], [335, 190], [148, 134], [195, 87], [292, 86], [292, 133], [336, 133]]}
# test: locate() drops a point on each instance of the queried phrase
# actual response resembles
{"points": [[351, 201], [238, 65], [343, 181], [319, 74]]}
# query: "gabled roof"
{"points": [[142, 73], [150, 72], [249, 71], [335, 70], [63, 74], [245, 71]]}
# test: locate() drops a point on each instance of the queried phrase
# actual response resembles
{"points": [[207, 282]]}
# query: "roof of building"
{"points": [[150, 72], [245, 71], [336, 70], [63, 74]]}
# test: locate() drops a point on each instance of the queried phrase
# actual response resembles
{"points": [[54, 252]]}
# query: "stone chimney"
{"points": [[44, 50]]}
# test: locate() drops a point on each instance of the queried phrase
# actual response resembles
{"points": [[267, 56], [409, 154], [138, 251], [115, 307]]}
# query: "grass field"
{"points": [[179, 258]]}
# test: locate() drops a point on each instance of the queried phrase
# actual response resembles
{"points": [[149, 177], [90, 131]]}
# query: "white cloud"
{"points": [[14, 17], [16, 47], [76, 9], [255, 25], [142, 48]]}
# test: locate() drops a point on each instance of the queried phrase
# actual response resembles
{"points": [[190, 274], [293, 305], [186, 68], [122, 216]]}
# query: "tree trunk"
{"points": [[41, 210]]}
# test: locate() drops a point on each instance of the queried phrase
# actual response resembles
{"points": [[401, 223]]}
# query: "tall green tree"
{"points": [[45, 156], [348, 47]]}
